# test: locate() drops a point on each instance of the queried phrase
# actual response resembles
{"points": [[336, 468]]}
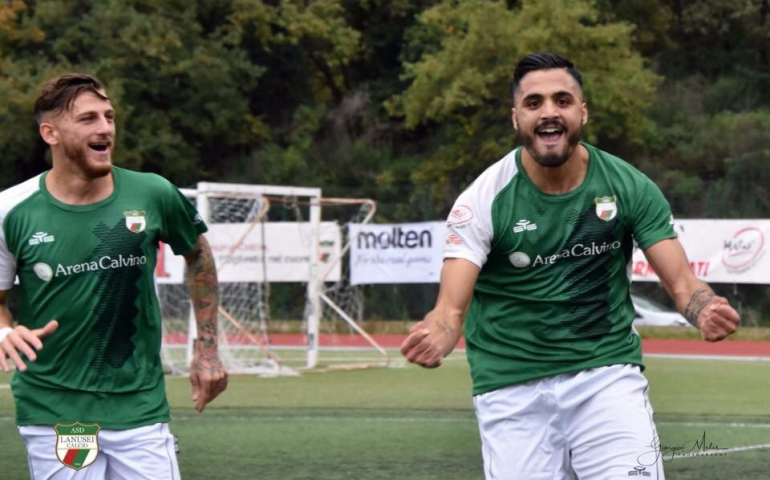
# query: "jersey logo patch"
{"points": [[524, 225], [77, 444], [460, 215], [135, 221], [639, 472], [41, 237], [606, 208], [519, 259], [43, 271], [453, 239]]}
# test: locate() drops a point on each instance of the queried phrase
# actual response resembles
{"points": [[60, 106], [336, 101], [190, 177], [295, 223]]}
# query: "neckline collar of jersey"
{"points": [[559, 196], [86, 207]]}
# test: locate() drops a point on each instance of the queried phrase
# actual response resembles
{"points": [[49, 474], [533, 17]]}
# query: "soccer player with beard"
{"points": [[537, 258], [83, 238]]}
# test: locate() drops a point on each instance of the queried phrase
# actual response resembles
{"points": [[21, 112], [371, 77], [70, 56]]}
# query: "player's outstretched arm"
{"points": [[14, 341], [712, 314], [207, 374], [433, 338]]}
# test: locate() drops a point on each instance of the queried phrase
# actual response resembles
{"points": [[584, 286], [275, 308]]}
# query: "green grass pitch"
{"points": [[414, 424]]}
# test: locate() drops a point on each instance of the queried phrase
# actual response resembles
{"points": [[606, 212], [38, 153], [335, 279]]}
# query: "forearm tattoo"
{"points": [[445, 327], [698, 301], [203, 285]]}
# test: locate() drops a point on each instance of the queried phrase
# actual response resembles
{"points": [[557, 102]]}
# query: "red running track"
{"points": [[649, 346]]}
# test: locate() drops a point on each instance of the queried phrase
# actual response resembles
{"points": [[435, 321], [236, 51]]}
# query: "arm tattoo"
{"points": [[698, 301], [445, 327], [203, 285]]}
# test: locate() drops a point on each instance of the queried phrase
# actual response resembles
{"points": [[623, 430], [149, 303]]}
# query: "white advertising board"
{"points": [[396, 253], [286, 252], [721, 251]]}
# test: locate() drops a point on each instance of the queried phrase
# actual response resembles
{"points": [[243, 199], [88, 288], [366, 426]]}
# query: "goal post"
{"points": [[208, 190], [263, 235]]}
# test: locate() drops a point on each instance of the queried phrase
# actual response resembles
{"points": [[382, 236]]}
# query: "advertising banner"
{"points": [[241, 255], [720, 251], [396, 253]]}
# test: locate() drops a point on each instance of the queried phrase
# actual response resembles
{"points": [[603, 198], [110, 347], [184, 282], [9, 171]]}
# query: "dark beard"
{"points": [[78, 155], [551, 159]]}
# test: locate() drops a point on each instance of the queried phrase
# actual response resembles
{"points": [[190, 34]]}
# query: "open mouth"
{"points": [[550, 133], [99, 146]]}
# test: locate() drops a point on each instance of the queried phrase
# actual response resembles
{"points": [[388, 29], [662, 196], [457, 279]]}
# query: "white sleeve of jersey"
{"points": [[7, 263], [469, 225], [8, 200]]}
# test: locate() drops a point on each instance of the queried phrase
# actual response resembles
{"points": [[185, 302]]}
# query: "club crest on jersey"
{"points": [[135, 220], [606, 208], [77, 444], [43, 271]]}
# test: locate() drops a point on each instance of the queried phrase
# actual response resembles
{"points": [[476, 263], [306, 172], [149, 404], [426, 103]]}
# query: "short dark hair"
{"points": [[543, 61], [58, 93]]}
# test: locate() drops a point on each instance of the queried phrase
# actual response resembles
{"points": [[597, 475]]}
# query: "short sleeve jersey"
{"points": [[552, 294], [91, 268]]}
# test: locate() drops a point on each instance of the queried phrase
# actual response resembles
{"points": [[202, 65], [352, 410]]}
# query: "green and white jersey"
{"points": [[91, 268], [553, 292]]}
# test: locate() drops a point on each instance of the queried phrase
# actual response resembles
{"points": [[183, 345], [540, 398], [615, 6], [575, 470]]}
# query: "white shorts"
{"points": [[144, 453], [592, 425]]}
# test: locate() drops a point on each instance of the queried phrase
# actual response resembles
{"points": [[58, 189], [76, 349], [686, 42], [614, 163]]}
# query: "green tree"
{"points": [[460, 87], [21, 153], [652, 20], [180, 90], [329, 66]]}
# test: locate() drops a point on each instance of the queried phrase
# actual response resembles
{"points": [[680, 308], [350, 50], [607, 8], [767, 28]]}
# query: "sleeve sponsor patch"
{"points": [[459, 216], [453, 239]]}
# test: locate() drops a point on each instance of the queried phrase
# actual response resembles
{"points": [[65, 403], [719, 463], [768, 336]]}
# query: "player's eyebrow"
{"points": [[86, 113], [538, 96], [532, 96], [556, 95], [563, 93]]}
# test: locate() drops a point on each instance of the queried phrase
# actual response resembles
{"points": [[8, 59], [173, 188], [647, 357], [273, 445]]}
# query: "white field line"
{"points": [[467, 420], [454, 419], [682, 356], [302, 348], [11, 418], [7, 418], [714, 424], [340, 348], [706, 357], [711, 453], [333, 419]]}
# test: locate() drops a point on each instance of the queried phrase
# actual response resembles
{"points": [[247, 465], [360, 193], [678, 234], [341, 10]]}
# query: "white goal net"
{"points": [[279, 251]]}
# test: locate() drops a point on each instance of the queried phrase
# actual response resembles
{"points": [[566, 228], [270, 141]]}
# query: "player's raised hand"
{"points": [[717, 320], [208, 377], [430, 340], [26, 341]]}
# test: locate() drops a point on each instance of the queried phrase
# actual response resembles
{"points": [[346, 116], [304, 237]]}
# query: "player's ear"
{"points": [[514, 120], [584, 109], [49, 134]]}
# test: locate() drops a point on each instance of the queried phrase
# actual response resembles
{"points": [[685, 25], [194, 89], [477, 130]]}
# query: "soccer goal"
{"points": [[274, 246]]}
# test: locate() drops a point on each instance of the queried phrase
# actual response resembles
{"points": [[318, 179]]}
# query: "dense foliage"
{"points": [[402, 101]]}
